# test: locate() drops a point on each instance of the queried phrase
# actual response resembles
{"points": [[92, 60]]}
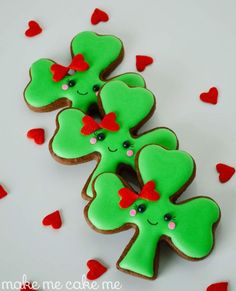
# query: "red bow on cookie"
{"points": [[108, 122], [77, 64], [128, 197]]}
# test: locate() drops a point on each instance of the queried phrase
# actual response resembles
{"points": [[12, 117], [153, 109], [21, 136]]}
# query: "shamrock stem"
{"points": [[139, 256]]}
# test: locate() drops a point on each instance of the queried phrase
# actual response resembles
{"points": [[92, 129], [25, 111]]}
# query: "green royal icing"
{"points": [[99, 51], [194, 219], [132, 106]]}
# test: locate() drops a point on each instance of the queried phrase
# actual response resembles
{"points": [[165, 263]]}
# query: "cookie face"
{"points": [[53, 85], [187, 226], [79, 138]]}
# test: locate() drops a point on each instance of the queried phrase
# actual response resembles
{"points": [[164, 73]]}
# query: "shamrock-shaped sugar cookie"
{"points": [[93, 58], [188, 227], [113, 141]]}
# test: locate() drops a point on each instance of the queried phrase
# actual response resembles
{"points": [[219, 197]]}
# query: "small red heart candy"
{"points": [[142, 62], [96, 269], [34, 29], [37, 134], [221, 286], [99, 16], [3, 192], [27, 287], [53, 219], [211, 96], [225, 172]]}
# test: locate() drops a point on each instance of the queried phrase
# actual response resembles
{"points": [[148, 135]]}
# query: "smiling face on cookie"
{"points": [[118, 143], [81, 88], [145, 214], [76, 84], [187, 226], [112, 140]]}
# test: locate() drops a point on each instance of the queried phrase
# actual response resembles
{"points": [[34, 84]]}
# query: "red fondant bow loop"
{"points": [[91, 125], [128, 197], [77, 64]]}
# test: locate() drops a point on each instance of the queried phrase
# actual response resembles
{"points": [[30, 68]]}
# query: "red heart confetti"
{"points": [[34, 29], [96, 269], [37, 134], [211, 96], [142, 62], [53, 219], [99, 15], [225, 172], [221, 286], [27, 287], [3, 192]]}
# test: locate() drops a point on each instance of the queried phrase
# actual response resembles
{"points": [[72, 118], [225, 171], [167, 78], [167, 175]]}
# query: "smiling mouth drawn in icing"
{"points": [[152, 223], [115, 150], [80, 93]]}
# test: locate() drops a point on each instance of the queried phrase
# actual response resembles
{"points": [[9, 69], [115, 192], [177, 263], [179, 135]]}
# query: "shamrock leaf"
{"points": [[75, 141], [194, 237], [132, 106], [70, 122], [187, 226], [52, 86], [171, 171], [113, 218]]}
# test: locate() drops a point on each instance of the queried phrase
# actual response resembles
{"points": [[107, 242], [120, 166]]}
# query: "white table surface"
{"points": [[194, 45]]}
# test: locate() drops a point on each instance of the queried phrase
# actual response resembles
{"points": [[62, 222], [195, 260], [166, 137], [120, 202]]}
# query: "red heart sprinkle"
{"points": [[221, 286], [34, 29], [37, 134], [53, 219], [225, 172], [99, 15], [142, 62], [96, 269], [27, 287], [3, 192], [211, 96]]}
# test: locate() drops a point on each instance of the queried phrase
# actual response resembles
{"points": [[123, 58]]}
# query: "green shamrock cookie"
{"points": [[188, 227], [112, 141], [93, 58]]}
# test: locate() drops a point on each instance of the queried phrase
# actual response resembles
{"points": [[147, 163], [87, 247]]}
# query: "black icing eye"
{"points": [[126, 144], [141, 208], [96, 88], [71, 83], [167, 217], [101, 136]]}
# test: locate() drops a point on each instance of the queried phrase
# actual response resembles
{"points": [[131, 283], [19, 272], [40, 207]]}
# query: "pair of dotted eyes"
{"points": [[72, 83], [101, 136], [142, 207], [167, 217]]}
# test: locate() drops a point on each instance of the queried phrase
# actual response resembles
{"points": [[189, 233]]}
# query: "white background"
{"points": [[194, 45]]}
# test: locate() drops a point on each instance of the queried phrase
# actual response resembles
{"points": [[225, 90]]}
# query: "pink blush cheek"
{"points": [[93, 140], [64, 87], [130, 153], [132, 212], [171, 225]]}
